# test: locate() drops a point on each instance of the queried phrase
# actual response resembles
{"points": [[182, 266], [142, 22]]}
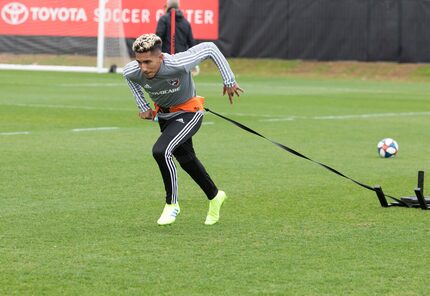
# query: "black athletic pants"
{"points": [[176, 140]]}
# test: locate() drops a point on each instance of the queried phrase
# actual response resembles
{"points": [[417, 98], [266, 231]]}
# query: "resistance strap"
{"points": [[172, 30], [292, 151]]}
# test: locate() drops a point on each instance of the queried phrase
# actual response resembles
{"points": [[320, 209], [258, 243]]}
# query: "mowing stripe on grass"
{"points": [[91, 129], [268, 117], [292, 90], [105, 109]]}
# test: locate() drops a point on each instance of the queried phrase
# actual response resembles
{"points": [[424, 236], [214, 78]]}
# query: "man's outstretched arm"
{"points": [[196, 54]]}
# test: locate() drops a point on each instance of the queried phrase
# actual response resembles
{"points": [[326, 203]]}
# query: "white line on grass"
{"points": [[68, 107], [14, 133], [353, 116], [208, 123], [90, 129], [92, 84], [288, 118], [342, 117]]}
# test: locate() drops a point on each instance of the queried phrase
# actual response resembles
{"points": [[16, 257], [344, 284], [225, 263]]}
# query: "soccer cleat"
{"points": [[214, 208], [169, 214]]}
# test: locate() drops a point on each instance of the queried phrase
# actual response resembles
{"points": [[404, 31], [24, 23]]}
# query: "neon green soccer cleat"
{"points": [[169, 214], [214, 208]]}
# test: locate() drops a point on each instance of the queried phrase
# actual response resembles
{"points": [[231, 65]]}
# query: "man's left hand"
{"points": [[235, 89]]}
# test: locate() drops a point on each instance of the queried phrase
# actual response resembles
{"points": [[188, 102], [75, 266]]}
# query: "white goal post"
{"points": [[101, 36]]}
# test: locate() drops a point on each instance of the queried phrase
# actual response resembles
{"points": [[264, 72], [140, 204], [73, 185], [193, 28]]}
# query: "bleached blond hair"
{"points": [[147, 42], [172, 4]]}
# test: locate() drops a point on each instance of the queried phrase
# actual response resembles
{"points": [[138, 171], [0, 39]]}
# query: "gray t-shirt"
{"points": [[173, 84]]}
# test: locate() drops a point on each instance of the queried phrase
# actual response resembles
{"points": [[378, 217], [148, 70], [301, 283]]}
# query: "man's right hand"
{"points": [[148, 115]]}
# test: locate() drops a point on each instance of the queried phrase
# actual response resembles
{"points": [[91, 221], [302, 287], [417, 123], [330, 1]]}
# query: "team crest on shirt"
{"points": [[174, 82]]}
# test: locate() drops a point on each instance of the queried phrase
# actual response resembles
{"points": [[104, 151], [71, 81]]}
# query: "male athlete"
{"points": [[167, 79]]}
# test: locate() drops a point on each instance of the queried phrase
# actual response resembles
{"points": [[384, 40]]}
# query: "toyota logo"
{"points": [[14, 13]]}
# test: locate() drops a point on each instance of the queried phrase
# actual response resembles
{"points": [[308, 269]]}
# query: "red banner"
{"points": [[80, 18]]}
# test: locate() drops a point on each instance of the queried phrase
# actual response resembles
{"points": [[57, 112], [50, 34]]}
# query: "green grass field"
{"points": [[78, 209]]}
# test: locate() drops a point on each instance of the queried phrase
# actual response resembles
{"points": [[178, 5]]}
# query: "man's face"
{"points": [[149, 62]]}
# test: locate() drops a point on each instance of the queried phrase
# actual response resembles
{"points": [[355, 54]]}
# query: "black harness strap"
{"points": [[292, 151]]}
